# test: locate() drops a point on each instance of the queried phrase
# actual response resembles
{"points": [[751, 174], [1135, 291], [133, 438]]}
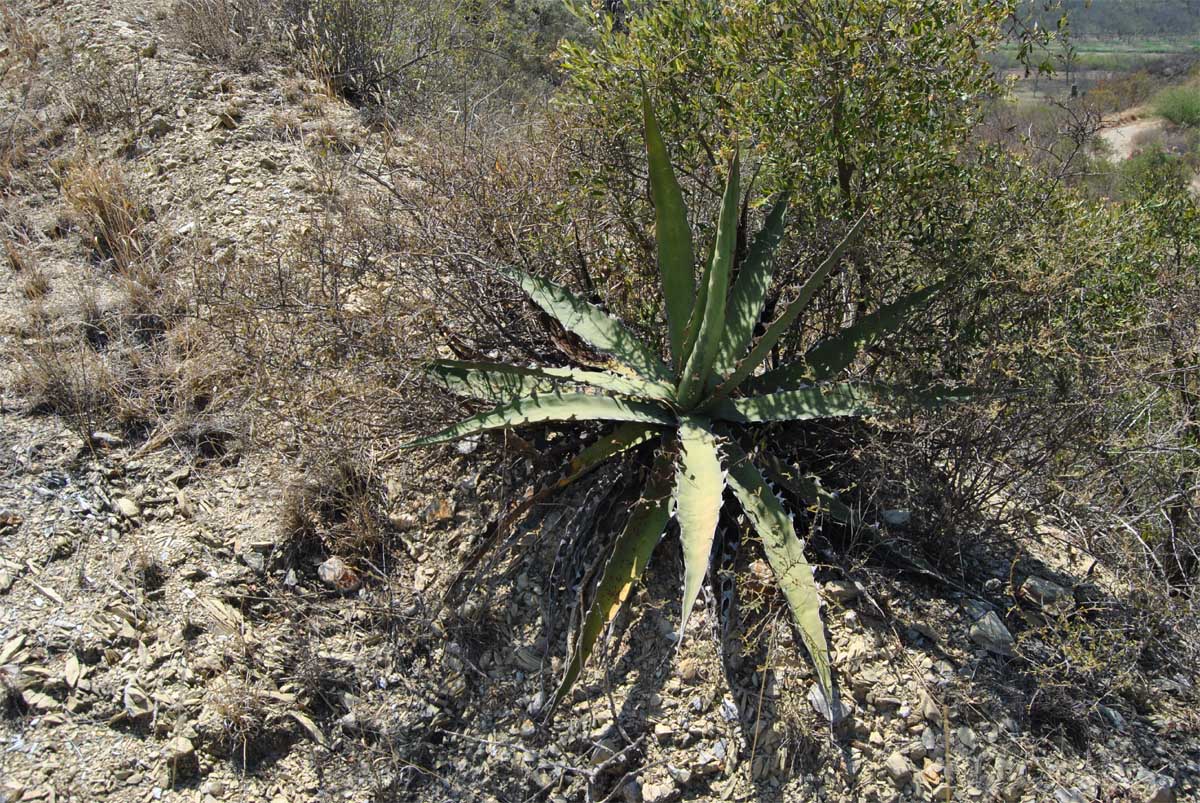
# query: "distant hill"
{"points": [[1129, 19]]}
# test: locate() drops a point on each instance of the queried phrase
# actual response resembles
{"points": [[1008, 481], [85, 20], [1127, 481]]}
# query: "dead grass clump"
{"points": [[239, 33], [284, 125], [72, 382], [147, 572], [237, 723], [19, 258], [131, 363], [35, 284], [338, 508], [24, 42], [106, 206]]}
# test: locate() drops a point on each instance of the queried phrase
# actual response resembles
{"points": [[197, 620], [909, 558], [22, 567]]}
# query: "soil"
{"points": [[161, 638]]}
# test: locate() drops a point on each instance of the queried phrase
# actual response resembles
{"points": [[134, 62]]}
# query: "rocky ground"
{"points": [[163, 638]]}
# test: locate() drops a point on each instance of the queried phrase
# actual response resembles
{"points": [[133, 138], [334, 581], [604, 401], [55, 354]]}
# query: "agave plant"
{"points": [[697, 404]]}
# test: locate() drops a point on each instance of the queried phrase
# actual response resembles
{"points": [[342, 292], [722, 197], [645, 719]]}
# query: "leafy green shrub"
{"points": [[1179, 104], [842, 120], [694, 408]]}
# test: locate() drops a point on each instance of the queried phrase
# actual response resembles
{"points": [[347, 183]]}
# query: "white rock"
{"points": [[658, 792], [127, 507]]}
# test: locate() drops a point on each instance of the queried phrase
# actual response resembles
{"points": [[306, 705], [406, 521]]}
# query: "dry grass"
{"points": [[25, 44], [105, 205], [338, 508], [19, 258], [35, 284]]}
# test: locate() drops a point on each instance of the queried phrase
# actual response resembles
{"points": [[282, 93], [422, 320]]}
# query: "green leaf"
{"points": [[699, 485], [498, 382], [632, 551], [785, 554], [698, 367], [749, 292], [828, 401], [692, 332], [592, 324], [830, 357], [489, 382], [552, 407], [675, 255], [621, 439], [791, 312]]}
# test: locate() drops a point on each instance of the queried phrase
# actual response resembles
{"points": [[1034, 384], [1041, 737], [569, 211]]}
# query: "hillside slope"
{"points": [[165, 636]]}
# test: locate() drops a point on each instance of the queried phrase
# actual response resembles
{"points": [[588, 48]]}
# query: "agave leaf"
{"points": [[551, 407], [785, 554], [498, 382], [828, 401], [809, 488], [595, 326], [699, 485], [791, 312], [489, 382], [698, 367], [631, 553], [625, 437], [833, 355], [621, 439], [693, 325], [675, 253], [749, 291], [935, 396]]}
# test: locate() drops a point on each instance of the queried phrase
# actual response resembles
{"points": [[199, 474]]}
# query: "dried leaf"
{"points": [[309, 726], [11, 647], [72, 672]]}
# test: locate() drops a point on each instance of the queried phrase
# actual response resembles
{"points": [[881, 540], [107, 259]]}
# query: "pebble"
{"points": [[898, 770], [843, 590], [1043, 592], [127, 507], [179, 748], [658, 792], [107, 440], [991, 634]]}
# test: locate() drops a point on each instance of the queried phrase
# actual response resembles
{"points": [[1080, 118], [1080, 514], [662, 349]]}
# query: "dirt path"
{"points": [[1123, 137]]}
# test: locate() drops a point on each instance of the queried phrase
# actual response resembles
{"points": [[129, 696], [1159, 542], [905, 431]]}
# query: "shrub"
{"points": [[469, 62], [1179, 104], [236, 32], [368, 50]]}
